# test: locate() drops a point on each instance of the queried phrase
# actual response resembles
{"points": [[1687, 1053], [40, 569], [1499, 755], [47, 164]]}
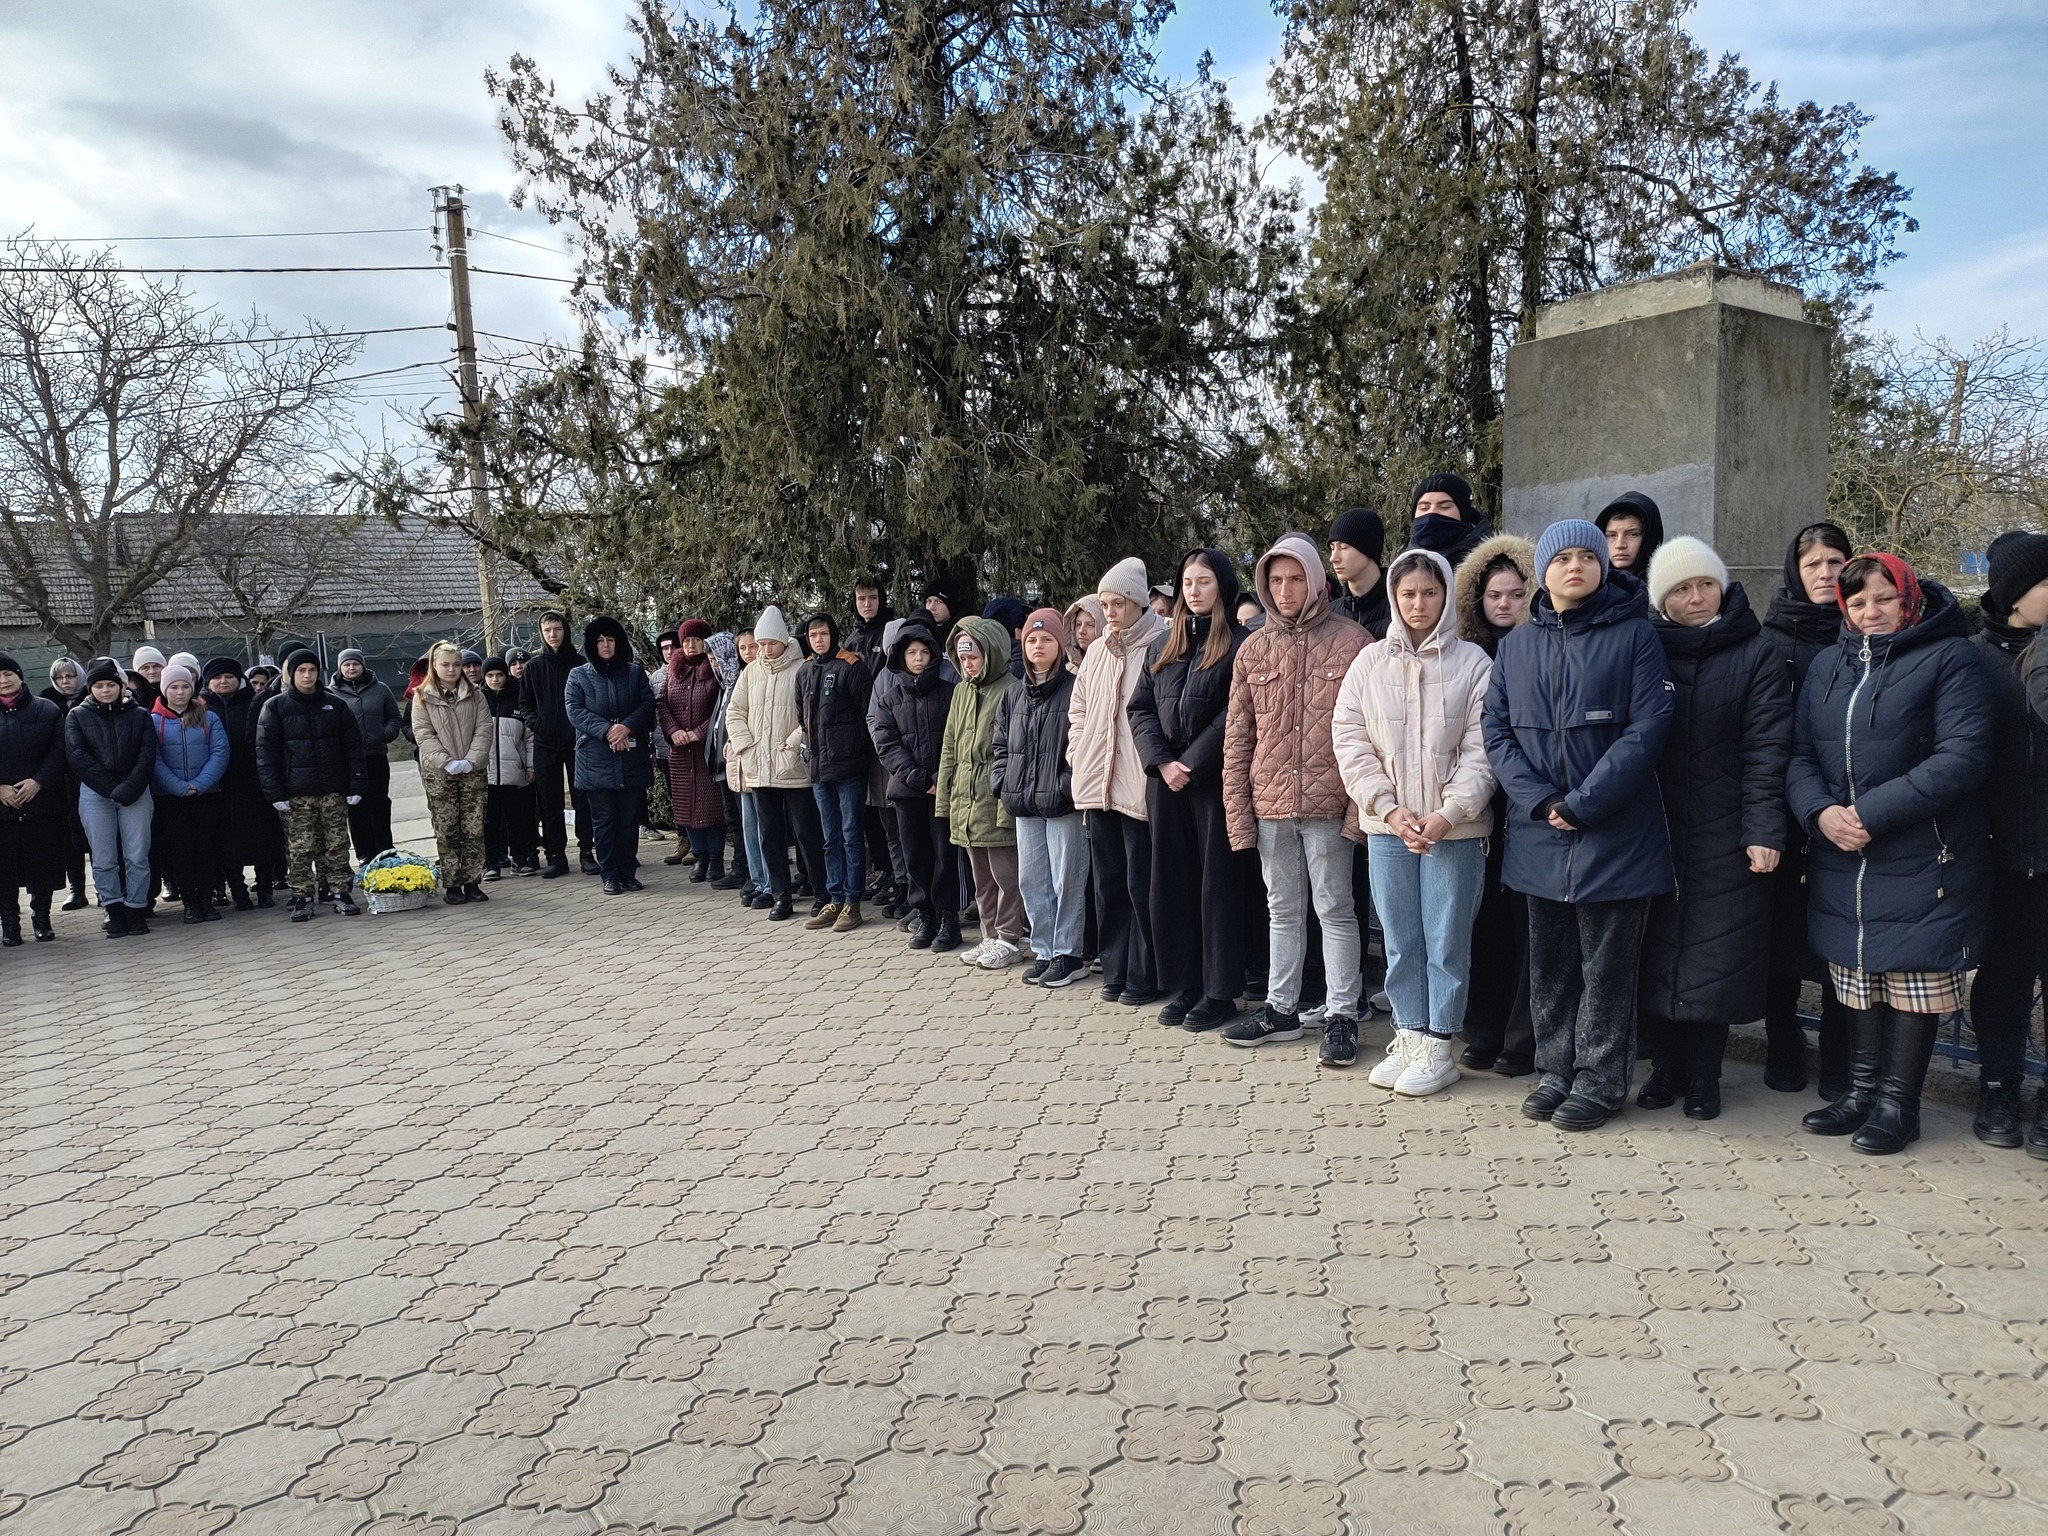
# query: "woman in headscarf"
{"points": [[684, 705], [250, 833], [1804, 620], [723, 649], [32, 804], [1893, 745]]}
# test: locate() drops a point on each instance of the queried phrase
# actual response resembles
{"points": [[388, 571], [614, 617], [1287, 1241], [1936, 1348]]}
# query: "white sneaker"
{"points": [[998, 954], [1312, 1018], [1430, 1068], [1389, 1071], [972, 956], [1381, 1003]]}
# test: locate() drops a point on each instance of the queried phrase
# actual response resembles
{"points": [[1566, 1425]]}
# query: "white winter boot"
{"points": [[1400, 1051], [1430, 1068]]}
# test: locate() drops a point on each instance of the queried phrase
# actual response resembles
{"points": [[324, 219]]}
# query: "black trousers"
{"points": [[1497, 1000], [929, 866], [881, 842], [509, 826], [369, 821], [617, 813], [1692, 1052], [790, 815], [1583, 961], [1197, 918], [553, 773], [1258, 921], [735, 830], [2015, 959], [1120, 855], [182, 840]]}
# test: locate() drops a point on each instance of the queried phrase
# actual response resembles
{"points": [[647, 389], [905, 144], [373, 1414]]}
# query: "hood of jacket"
{"points": [[1446, 629], [1228, 589], [1502, 551], [605, 624], [1297, 546], [1636, 504], [1620, 596], [907, 631], [835, 650], [994, 643]]}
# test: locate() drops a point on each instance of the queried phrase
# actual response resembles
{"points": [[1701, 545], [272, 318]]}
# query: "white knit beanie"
{"points": [[145, 654], [771, 625], [1682, 559], [1126, 579]]}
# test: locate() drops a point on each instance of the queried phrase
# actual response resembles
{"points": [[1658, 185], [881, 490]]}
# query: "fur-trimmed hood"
{"points": [[1471, 583]]}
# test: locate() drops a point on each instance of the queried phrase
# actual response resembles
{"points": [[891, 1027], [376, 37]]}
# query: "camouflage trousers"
{"points": [[316, 833], [456, 804]]}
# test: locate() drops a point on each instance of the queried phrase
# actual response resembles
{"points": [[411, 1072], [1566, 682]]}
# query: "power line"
{"points": [[285, 234], [514, 240], [349, 378], [231, 341], [537, 277]]}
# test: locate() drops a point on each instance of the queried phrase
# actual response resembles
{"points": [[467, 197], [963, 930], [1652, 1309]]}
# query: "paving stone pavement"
{"points": [[637, 1216]]}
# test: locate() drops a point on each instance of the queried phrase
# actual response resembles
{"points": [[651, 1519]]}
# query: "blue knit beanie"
{"points": [[1572, 533]]}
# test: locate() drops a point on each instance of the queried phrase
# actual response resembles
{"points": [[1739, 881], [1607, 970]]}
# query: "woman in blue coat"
{"points": [[610, 706], [1575, 722], [1892, 747]]}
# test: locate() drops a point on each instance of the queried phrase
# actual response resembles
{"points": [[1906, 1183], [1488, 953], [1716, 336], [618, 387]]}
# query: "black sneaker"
{"points": [[345, 905], [302, 909], [2037, 1137], [1063, 971], [494, 873], [475, 892], [1998, 1114], [1268, 1023], [555, 868], [1340, 1041], [587, 862], [265, 900], [1036, 973]]}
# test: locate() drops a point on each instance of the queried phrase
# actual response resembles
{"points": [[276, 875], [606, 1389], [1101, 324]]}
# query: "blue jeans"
{"points": [[1426, 904], [119, 835], [842, 806], [1052, 868], [750, 839]]}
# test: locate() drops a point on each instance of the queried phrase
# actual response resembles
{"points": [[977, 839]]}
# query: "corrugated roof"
{"points": [[377, 568]]}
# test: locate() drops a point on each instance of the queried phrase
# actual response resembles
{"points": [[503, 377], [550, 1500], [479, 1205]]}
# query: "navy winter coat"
{"points": [[908, 720], [1723, 779], [1576, 717], [598, 696], [1032, 776], [1900, 727]]}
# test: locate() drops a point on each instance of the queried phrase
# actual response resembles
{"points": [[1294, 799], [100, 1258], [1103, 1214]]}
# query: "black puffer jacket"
{"points": [[2018, 790], [832, 707], [909, 720], [1031, 775], [1723, 775], [1371, 610], [541, 688], [307, 744], [110, 748], [32, 747], [1177, 711], [1798, 630], [1900, 727]]}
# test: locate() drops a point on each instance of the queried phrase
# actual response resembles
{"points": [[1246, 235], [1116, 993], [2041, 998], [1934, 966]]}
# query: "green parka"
{"points": [[966, 791]]}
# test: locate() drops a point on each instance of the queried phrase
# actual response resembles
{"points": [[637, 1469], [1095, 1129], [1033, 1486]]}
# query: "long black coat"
{"points": [[2018, 788], [1032, 776], [1177, 712], [908, 721], [1798, 630], [245, 835], [1723, 777], [307, 744], [1900, 727], [32, 747]]}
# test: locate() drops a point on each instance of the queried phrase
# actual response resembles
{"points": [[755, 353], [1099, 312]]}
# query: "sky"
{"points": [[212, 117]]}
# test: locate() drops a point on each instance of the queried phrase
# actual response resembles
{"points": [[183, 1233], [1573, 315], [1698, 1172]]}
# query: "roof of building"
{"points": [[358, 567]]}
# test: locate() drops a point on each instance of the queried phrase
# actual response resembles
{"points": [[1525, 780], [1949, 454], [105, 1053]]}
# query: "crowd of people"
{"points": [[1595, 805]]}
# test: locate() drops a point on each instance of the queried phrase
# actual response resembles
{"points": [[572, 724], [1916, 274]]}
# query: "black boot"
{"points": [[77, 901], [1784, 1037], [240, 888], [1894, 1120], [1999, 1116], [924, 930], [10, 925], [263, 897], [2037, 1137], [116, 924], [39, 918], [947, 939], [587, 861], [702, 872], [194, 912], [1833, 1040], [1667, 1079], [1705, 1046], [555, 868], [138, 919], [1866, 1050]]}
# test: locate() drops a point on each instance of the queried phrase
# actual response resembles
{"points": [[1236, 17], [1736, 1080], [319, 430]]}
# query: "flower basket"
{"points": [[398, 881]]}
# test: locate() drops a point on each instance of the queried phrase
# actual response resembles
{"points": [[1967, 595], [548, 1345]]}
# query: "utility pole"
{"points": [[448, 203]]}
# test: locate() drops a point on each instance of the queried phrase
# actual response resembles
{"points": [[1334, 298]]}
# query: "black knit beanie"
{"points": [[1453, 486], [1362, 529], [104, 669], [2019, 563]]}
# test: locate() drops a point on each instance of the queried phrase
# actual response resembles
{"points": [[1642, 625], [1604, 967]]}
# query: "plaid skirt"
{"points": [[1907, 991]]}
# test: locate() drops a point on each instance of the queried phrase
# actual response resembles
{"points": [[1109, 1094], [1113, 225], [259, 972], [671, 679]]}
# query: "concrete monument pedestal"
{"points": [[1704, 388]]}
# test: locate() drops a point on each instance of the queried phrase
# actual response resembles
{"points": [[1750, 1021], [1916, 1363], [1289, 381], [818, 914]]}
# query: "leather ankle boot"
{"points": [[1866, 1049], [1894, 1121]]}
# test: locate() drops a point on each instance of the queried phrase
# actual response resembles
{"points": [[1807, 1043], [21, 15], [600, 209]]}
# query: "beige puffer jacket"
{"points": [[447, 727], [1100, 748], [761, 729], [1278, 763], [1407, 731]]}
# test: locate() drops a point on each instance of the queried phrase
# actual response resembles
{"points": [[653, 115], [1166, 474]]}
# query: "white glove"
{"points": [[355, 799], [280, 806], [459, 765]]}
